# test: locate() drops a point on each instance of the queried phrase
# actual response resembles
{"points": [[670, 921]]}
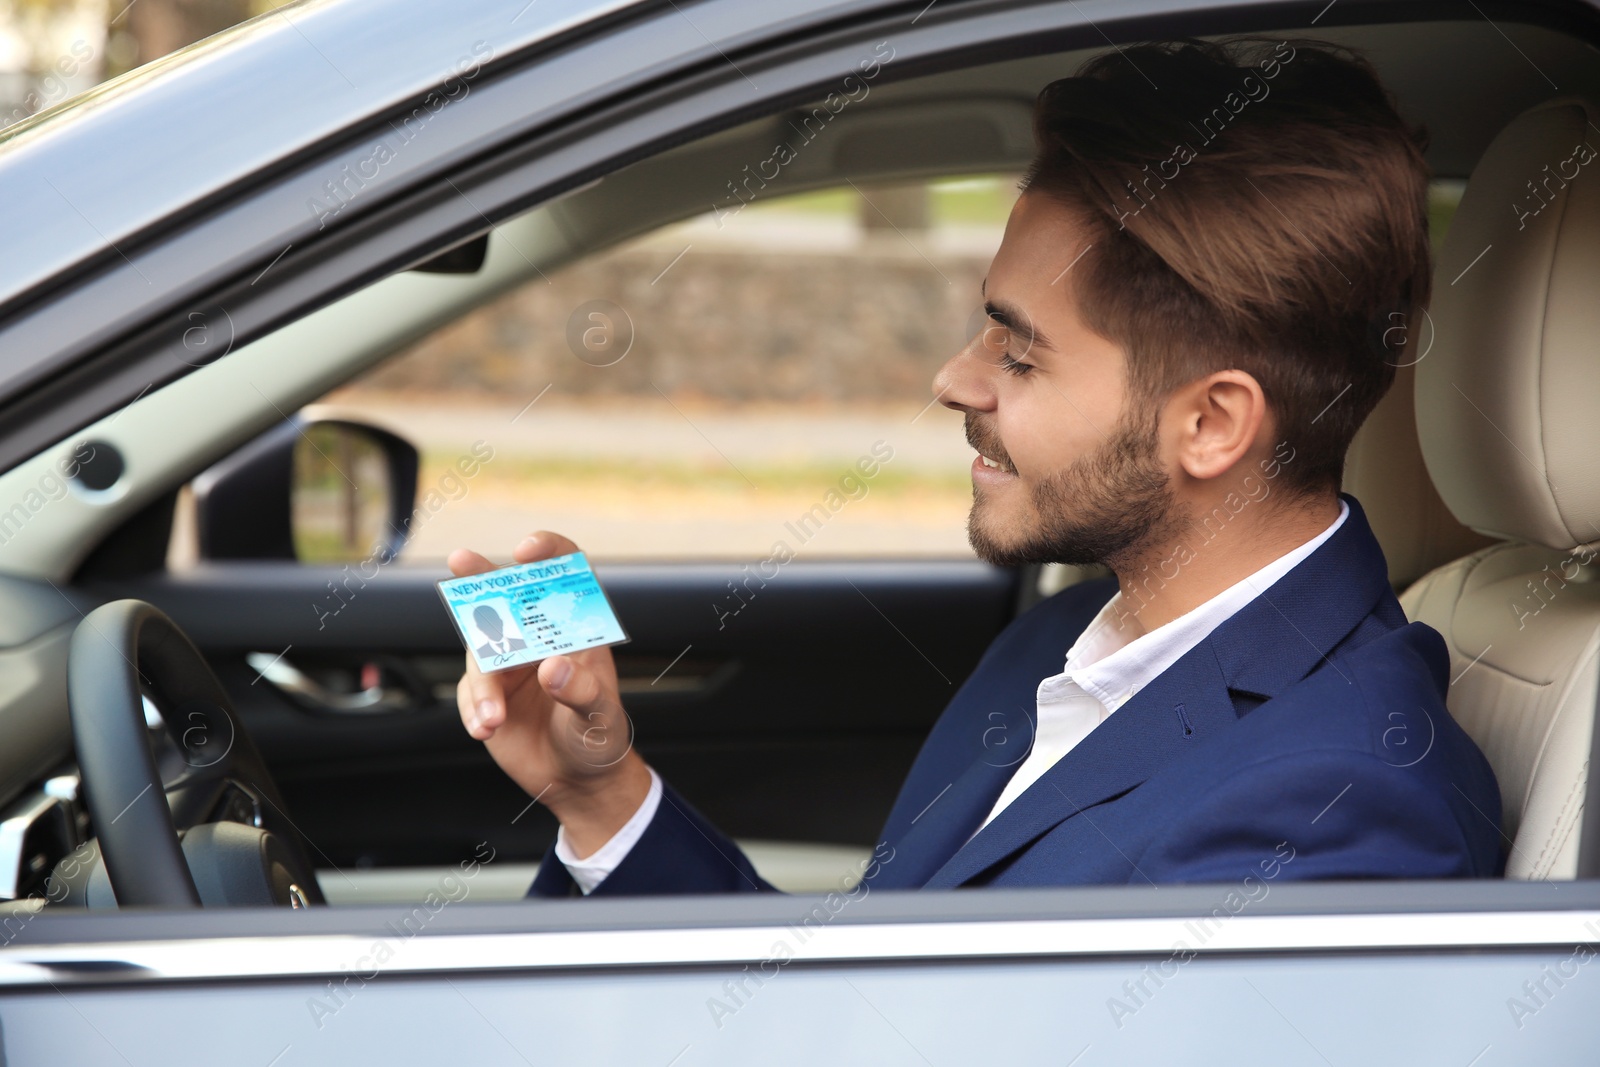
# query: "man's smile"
{"points": [[992, 464], [986, 471]]}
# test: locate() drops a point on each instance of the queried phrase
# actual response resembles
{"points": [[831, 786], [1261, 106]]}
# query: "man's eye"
{"points": [[995, 335], [1012, 366]]}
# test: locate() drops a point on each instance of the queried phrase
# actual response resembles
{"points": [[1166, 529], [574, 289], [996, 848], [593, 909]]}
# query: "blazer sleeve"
{"points": [[679, 852], [1323, 815]]}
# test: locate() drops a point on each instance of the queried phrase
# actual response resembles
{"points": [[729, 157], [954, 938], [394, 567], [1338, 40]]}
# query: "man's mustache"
{"points": [[986, 441]]}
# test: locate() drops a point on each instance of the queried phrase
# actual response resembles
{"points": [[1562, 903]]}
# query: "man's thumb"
{"points": [[603, 733], [571, 683]]}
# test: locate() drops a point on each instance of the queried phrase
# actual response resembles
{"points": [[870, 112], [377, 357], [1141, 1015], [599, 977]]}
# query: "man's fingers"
{"points": [[603, 735], [467, 705], [566, 679], [576, 685], [482, 699], [485, 706], [464, 561], [542, 544]]}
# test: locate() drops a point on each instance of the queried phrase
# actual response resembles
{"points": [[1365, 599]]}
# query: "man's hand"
{"points": [[557, 727]]}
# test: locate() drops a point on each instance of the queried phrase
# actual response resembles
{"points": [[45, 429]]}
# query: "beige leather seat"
{"points": [[1508, 417], [1384, 470]]}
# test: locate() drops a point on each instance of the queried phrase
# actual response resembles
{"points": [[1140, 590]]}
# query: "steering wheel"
{"points": [[185, 813]]}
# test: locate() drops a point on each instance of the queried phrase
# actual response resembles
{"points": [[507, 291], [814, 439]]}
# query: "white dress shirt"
{"points": [[1104, 667], [592, 869]]}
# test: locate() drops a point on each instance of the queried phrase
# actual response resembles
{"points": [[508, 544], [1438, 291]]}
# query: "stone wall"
{"points": [[719, 324]]}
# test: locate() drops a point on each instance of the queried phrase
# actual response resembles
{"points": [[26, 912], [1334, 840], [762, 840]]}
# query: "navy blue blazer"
{"points": [[1306, 737]]}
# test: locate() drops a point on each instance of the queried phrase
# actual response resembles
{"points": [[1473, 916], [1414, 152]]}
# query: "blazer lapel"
{"points": [[1271, 643], [1291, 628], [939, 830], [1186, 704]]}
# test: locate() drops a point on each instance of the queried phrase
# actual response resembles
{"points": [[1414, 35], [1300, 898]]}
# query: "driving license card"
{"points": [[531, 611]]}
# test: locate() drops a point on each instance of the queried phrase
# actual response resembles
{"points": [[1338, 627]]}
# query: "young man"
{"points": [[1187, 317]]}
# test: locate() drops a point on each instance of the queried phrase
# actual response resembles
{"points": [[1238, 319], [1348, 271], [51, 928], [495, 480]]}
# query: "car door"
{"points": [[796, 725], [1355, 973]]}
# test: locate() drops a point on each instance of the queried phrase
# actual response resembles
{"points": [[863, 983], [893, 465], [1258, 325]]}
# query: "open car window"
{"points": [[746, 382]]}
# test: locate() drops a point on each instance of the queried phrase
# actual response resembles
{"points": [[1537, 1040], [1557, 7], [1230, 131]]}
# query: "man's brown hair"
{"points": [[1248, 204]]}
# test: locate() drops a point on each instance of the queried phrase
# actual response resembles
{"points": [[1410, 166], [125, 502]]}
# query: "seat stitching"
{"points": [[1562, 707], [1557, 835], [1563, 209]]}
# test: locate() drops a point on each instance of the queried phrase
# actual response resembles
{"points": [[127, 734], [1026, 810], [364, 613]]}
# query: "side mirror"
{"points": [[328, 491]]}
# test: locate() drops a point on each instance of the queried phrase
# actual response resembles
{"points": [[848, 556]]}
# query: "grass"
{"points": [[973, 201], [320, 546], [811, 478], [625, 508], [987, 200], [978, 200], [1443, 199]]}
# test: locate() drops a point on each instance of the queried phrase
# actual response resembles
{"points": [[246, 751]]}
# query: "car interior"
{"points": [[1474, 472]]}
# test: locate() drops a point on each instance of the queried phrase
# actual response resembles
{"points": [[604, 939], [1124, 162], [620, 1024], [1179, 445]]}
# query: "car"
{"points": [[201, 252]]}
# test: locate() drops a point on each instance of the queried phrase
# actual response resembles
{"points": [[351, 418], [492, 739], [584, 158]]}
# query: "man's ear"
{"points": [[1218, 419]]}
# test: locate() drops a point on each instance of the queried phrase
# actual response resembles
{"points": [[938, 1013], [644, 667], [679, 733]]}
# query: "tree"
{"points": [[162, 26]]}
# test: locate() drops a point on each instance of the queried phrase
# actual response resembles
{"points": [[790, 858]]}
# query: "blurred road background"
{"points": [[768, 357]]}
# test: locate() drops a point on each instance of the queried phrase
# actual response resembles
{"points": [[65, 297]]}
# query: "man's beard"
{"points": [[1103, 508]]}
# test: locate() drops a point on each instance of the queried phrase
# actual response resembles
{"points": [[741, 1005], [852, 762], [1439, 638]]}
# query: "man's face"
{"points": [[1067, 470]]}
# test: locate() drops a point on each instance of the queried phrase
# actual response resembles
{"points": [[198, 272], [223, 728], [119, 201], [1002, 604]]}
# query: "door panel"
{"points": [[1429, 972], [1222, 1012], [794, 719]]}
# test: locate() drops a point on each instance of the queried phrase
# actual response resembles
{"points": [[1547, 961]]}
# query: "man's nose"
{"points": [[963, 383]]}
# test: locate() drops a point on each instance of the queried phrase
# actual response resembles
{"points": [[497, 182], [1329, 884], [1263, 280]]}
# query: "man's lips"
{"points": [[984, 474], [991, 460]]}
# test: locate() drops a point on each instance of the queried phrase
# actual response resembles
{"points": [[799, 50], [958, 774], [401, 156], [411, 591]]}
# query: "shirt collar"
{"points": [[1105, 663]]}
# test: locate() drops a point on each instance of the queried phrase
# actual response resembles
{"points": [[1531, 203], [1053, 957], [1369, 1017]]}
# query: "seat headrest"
{"points": [[1508, 397]]}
